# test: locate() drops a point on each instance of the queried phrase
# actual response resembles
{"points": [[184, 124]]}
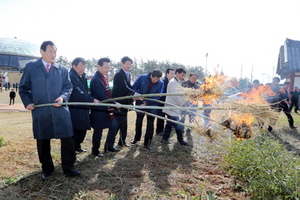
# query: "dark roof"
{"points": [[16, 53], [288, 58]]}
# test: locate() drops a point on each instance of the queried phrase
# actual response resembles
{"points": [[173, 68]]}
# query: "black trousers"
{"points": [[121, 120], [149, 129], [294, 103], [12, 100], [282, 106], [68, 154], [160, 123], [78, 137], [110, 139]]}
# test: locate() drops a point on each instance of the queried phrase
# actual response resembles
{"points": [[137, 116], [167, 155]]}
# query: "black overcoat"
{"points": [[80, 113], [99, 114]]}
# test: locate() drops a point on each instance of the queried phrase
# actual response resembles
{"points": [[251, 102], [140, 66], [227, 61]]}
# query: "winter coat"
{"points": [[37, 86], [99, 114], [80, 113], [141, 86]]}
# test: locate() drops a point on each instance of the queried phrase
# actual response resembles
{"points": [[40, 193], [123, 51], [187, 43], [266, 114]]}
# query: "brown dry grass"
{"points": [[133, 173]]}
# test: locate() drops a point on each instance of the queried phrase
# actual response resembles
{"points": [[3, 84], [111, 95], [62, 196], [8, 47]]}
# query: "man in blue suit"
{"points": [[147, 84]]}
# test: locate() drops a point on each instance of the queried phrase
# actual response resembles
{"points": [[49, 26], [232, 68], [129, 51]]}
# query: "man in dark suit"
{"points": [[160, 123], [12, 96], [42, 82], [102, 116], [147, 84], [122, 87], [79, 113]]}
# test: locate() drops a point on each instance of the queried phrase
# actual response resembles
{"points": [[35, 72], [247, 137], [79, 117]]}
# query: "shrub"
{"points": [[1, 142], [269, 170]]}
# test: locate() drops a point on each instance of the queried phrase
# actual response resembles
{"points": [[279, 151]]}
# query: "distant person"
{"points": [[80, 113], [147, 84], [160, 123], [174, 87], [17, 86], [12, 96], [278, 100], [122, 88], [191, 83], [43, 82], [254, 85], [102, 117], [294, 99]]}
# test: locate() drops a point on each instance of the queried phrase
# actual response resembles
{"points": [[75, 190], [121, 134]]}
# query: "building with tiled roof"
{"points": [[288, 66]]}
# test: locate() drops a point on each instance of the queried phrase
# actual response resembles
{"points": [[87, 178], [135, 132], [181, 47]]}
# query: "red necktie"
{"points": [[48, 66]]}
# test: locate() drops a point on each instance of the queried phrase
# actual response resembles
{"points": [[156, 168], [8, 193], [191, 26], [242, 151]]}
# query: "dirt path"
{"points": [[18, 107]]}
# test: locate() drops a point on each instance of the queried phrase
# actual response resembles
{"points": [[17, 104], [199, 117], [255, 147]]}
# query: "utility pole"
{"points": [[241, 71], [251, 73], [206, 63]]}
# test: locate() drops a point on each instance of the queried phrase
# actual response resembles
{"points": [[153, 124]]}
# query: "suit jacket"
{"points": [[99, 114], [141, 86], [79, 113], [37, 86], [122, 87]]}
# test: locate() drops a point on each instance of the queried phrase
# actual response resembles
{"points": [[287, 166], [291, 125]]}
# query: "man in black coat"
{"points": [[12, 96], [102, 117], [160, 123], [294, 100], [122, 87], [79, 113]]}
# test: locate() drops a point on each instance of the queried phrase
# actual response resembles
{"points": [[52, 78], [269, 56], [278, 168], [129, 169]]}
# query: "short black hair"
{"points": [[168, 70], [46, 43], [256, 81], [156, 73], [180, 70], [77, 60], [126, 58], [102, 60], [276, 78], [192, 74], [286, 83]]}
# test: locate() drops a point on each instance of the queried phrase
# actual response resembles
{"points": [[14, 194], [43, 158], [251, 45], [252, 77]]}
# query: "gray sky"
{"points": [[234, 33]]}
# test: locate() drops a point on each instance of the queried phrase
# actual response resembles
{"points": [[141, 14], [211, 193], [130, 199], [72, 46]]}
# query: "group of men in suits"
{"points": [[45, 81]]}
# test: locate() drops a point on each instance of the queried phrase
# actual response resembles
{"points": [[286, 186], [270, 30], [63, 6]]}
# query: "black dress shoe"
{"points": [[72, 172], [125, 145], [80, 150], [77, 160], [134, 141], [111, 150], [98, 154], [148, 147], [293, 127], [166, 142], [45, 176], [184, 143]]}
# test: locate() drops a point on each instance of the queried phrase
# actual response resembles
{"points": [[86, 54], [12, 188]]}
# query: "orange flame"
{"points": [[212, 90]]}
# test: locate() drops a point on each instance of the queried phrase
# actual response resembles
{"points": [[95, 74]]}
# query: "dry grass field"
{"points": [[166, 172]]}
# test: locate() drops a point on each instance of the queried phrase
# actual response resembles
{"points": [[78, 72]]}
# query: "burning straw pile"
{"points": [[237, 113]]}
